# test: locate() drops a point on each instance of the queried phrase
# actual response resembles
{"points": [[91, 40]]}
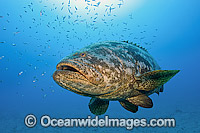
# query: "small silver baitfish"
{"points": [[112, 71]]}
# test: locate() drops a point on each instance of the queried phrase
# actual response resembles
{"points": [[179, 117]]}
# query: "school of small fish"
{"points": [[40, 28]]}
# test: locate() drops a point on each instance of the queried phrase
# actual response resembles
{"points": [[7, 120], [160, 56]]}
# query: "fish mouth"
{"points": [[78, 77], [84, 71], [69, 68]]}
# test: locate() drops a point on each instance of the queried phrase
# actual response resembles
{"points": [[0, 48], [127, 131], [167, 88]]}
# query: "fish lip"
{"points": [[56, 77], [69, 66], [58, 81], [77, 66], [84, 69]]}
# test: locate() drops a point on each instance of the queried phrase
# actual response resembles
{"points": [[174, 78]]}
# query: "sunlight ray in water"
{"points": [[89, 8]]}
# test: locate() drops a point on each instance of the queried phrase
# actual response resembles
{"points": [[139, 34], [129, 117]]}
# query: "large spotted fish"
{"points": [[112, 71]]}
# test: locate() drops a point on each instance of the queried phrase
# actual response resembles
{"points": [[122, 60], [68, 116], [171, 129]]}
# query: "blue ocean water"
{"points": [[36, 34]]}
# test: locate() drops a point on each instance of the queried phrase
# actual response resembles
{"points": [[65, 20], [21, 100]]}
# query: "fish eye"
{"points": [[83, 54]]}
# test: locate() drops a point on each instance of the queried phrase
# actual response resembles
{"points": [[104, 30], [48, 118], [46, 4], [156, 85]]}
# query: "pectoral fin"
{"points": [[129, 106], [141, 100], [151, 80], [98, 106]]}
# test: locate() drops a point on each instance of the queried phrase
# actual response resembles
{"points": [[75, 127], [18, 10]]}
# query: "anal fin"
{"points": [[98, 106], [141, 100], [129, 106]]}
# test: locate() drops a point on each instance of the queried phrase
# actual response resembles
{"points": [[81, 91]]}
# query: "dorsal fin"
{"points": [[135, 45]]}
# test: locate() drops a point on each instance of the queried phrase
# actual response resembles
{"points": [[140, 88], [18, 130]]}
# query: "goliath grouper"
{"points": [[113, 71]]}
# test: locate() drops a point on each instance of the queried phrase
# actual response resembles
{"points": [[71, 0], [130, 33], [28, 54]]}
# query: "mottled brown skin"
{"points": [[110, 71]]}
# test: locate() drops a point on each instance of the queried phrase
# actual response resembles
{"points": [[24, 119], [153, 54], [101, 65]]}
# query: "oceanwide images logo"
{"points": [[46, 121]]}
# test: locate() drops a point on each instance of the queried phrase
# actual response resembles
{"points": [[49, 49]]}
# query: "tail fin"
{"points": [[151, 80]]}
